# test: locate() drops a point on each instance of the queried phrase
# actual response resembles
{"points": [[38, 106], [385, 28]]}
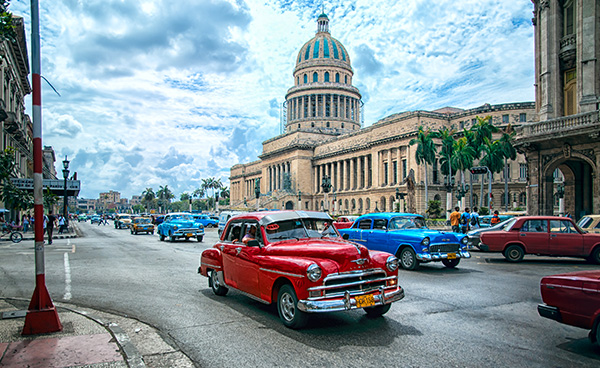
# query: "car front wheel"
{"points": [[451, 263], [595, 256], [199, 238], [514, 253], [215, 285], [408, 259], [162, 237], [287, 306], [378, 311]]}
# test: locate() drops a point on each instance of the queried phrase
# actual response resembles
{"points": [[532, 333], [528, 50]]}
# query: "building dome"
{"points": [[323, 48], [323, 98]]}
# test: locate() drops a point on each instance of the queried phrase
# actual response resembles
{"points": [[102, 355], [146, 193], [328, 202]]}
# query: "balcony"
{"points": [[579, 125]]}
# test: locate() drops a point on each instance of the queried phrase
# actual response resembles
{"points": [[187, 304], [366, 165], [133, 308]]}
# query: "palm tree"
{"points": [[463, 157], [481, 130], [147, 197], [184, 197], [506, 142], [165, 195], [425, 151], [493, 157]]}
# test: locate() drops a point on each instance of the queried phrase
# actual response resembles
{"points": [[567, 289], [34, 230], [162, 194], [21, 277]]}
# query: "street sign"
{"points": [[479, 170], [57, 186]]}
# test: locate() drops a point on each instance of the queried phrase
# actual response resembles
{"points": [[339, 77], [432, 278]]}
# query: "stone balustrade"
{"points": [[559, 125]]}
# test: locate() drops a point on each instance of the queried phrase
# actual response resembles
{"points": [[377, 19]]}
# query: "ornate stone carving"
{"points": [[567, 150], [589, 153]]}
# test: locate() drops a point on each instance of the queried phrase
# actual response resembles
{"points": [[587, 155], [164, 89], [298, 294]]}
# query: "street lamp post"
{"points": [[65, 198], [335, 204], [257, 193], [299, 200], [326, 185], [461, 191], [449, 184], [560, 190]]}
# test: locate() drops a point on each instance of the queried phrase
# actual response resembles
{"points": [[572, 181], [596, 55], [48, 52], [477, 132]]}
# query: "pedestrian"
{"points": [[568, 215], [495, 218], [455, 220], [475, 219], [464, 220], [61, 224], [25, 223], [51, 221]]}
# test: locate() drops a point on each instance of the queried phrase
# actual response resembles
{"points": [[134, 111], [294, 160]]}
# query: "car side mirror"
{"points": [[345, 236], [253, 243]]}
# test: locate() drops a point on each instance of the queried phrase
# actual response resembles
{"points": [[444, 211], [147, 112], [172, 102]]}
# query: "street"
{"points": [[483, 313]]}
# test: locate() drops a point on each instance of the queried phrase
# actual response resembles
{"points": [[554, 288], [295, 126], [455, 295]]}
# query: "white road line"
{"points": [[67, 295]]}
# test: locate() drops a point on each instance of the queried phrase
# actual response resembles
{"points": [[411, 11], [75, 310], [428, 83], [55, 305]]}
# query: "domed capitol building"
{"points": [[327, 160]]}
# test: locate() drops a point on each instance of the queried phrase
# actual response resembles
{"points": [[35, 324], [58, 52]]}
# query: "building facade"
{"points": [[366, 167], [562, 145]]}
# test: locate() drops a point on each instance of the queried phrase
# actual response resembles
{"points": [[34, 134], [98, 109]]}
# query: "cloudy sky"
{"points": [[163, 92]]}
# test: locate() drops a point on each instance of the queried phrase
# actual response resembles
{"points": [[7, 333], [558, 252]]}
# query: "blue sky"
{"points": [[158, 93]]}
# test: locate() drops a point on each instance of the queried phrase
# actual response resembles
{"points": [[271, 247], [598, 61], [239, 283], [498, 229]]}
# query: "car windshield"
{"points": [[143, 220], [509, 224], [124, 217], [300, 229], [401, 223], [584, 222], [180, 217], [503, 224]]}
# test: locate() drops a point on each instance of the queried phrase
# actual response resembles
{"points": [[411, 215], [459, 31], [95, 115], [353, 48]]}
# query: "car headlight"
{"points": [[200, 226], [465, 240], [425, 242], [391, 263], [313, 272], [174, 227]]}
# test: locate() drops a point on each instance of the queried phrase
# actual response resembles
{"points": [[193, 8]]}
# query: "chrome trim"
{"points": [[439, 256], [281, 273], [210, 265], [356, 283], [347, 303], [343, 275]]}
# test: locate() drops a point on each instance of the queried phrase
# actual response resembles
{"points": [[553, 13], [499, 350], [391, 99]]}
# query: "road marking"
{"points": [[67, 295]]}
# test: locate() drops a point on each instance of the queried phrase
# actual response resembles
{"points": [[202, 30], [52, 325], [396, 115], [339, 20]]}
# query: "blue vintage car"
{"points": [[180, 225], [406, 236], [206, 220]]}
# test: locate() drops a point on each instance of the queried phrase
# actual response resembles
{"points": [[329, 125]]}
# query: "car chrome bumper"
{"points": [[549, 312], [188, 232], [348, 302], [428, 257]]}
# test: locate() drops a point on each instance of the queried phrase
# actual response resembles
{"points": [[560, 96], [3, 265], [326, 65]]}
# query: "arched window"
{"points": [[305, 78], [297, 80], [312, 125], [360, 205], [346, 79], [337, 77], [353, 204], [475, 202], [368, 204], [326, 76], [346, 204], [315, 77], [298, 126], [327, 124], [342, 125], [523, 199]]}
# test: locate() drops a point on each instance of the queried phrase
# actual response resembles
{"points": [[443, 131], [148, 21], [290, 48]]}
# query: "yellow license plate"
{"points": [[364, 301], [189, 235], [451, 255]]}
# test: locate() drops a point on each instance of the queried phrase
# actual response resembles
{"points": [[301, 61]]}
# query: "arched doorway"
{"points": [[576, 172], [289, 205]]}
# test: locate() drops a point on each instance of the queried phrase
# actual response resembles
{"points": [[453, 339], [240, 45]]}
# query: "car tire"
{"points": [[378, 311], [215, 285], [598, 333], [514, 253], [595, 256], [131, 231], [287, 307], [16, 237], [199, 238], [408, 259], [451, 263], [162, 237], [171, 238]]}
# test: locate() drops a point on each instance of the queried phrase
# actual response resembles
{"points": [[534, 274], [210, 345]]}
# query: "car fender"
{"points": [[514, 242], [401, 246], [211, 259]]}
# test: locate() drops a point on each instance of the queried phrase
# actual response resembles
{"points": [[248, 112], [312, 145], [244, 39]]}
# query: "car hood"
{"points": [[434, 236], [340, 251], [182, 223], [593, 275]]}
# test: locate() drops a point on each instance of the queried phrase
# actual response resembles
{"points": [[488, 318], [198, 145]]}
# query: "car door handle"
{"points": [[238, 251], [522, 234], [553, 235]]}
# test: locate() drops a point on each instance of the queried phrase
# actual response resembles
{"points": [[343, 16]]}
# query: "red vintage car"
{"points": [[542, 235], [344, 222], [298, 260], [573, 299]]}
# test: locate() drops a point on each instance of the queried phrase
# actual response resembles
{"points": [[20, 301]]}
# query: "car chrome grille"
{"points": [[444, 248], [354, 282]]}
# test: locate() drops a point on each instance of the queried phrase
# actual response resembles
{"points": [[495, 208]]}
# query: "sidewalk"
{"points": [[89, 338]]}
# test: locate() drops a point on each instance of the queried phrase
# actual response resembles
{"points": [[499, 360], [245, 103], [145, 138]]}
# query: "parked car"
{"points": [[141, 225], [590, 223], [157, 220], [573, 299], [344, 222], [224, 217], [542, 235], [298, 261], [407, 237], [122, 221], [474, 235], [95, 219], [206, 220], [485, 221], [180, 225], [82, 217]]}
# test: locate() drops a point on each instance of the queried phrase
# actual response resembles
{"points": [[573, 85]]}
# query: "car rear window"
{"points": [[535, 226]]}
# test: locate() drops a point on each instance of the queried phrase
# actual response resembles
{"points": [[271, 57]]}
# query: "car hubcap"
{"points": [[288, 309], [514, 254], [215, 280], [407, 259]]}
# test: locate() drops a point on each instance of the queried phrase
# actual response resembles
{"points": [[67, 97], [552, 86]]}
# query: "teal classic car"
{"points": [[406, 236], [180, 225]]}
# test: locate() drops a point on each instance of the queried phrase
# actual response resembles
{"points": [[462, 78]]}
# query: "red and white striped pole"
{"points": [[41, 316]]}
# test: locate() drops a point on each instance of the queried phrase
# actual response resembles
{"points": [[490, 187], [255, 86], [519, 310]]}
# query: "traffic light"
{"points": [[479, 170]]}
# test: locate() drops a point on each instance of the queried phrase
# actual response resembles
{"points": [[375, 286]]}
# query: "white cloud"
{"points": [[159, 92]]}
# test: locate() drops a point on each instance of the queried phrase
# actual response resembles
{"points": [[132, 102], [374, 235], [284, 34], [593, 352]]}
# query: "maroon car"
{"points": [[344, 222], [542, 235], [573, 299]]}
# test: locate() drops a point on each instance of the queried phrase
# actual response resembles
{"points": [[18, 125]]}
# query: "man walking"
{"points": [[455, 220], [464, 220], [50, 226], [475, 219]]}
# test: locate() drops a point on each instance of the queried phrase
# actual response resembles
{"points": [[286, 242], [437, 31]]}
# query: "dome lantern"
{"points": [[323, 23]]}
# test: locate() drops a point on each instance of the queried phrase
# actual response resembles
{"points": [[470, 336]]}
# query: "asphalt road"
{"points": [[482, 313]]}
